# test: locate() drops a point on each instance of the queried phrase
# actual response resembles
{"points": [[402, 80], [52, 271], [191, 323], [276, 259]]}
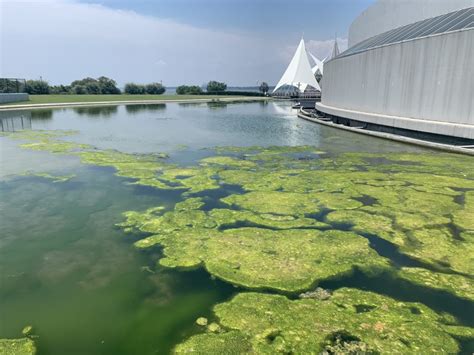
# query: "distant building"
{"points": [[409, 66], [299, 74]]}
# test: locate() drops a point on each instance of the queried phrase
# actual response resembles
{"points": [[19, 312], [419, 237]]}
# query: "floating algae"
{"points": [[153, 171], [280, 203], [23, 346], [459, 285], [438, 247], [285, 259], [27, 330], [286, 198], [38, 135], [227, 161], [268, 324], [290, 203], [225, 218], [201, 321], [288, 260], [366, 223], [146, 169], [305, 217], [47, 141], [55, 146], [465, 218], [53, 178]]}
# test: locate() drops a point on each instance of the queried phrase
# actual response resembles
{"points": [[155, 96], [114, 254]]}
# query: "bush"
{"points": [[37, 87], [215, 87], [134, 89], [60, 90], [189, 90], [155, 89]]}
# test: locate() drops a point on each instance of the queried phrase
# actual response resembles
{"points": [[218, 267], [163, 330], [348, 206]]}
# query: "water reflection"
{"points": [[95, 111], [42, 115], [136, 108], [216, 105], [191, 104], [160, 128], [15, 121]]}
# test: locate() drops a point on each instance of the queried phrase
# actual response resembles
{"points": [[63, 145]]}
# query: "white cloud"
{"points": [[63, 40]]}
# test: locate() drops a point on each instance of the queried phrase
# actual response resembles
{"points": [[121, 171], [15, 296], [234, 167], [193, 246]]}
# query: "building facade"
{"points": [[416, 76]]}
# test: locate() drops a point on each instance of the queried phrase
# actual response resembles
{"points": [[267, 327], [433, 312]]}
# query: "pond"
{"points": [[123, 225]]}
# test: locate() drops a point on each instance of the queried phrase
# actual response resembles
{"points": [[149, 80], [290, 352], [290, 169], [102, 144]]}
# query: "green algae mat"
{"points": [[276, 222], [23, 346]]}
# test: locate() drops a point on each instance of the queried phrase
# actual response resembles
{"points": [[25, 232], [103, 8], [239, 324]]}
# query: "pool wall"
{"points": [[6, 98]]}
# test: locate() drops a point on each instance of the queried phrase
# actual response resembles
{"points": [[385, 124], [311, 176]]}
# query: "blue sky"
{"points": [[178, 42]]}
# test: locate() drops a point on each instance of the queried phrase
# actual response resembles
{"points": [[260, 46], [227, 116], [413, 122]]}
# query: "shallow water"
{"points": [[77, 279]]}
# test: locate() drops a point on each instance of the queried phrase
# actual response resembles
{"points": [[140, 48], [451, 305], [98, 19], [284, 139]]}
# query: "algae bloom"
{"points": [[287, 219]]}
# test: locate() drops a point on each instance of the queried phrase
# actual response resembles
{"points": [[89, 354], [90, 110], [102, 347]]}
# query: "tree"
{"points": [[108, 86], [134, 89], [11, 85], [79, 90], [93, 88], [215, 86], [264, 88], [83, 82], [102, 85], [155, 89], [188, 90], [37, 87]]}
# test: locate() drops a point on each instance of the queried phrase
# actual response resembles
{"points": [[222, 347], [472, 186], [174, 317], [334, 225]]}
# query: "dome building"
{"points": [[408, 67]]}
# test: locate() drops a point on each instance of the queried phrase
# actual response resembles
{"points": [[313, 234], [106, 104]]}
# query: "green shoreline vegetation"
{"points": [[104, 89], [304, 217]]}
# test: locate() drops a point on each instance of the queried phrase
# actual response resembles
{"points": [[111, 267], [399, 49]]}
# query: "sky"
{"points": [[240, 42]]}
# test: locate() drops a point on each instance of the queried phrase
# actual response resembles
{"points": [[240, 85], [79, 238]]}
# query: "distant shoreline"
{"points": [[55, 101]]}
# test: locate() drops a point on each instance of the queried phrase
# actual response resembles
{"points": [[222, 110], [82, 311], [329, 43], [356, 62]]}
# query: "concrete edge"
{"points": [[460, 130], [126, 102], [390, 136]]}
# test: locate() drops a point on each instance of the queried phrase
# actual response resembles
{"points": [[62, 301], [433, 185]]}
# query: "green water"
{"points": [[68, 271], [73, 276]]}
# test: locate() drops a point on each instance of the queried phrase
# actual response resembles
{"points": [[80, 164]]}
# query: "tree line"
{"points": [[107, 86], [92, 86]]}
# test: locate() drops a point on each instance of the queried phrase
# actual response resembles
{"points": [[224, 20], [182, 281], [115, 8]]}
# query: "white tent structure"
{"points": [[299, 73], [319, 64]]}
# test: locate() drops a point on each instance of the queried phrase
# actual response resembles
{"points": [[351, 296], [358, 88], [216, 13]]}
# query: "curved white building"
{"points": [[409, 67]]}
